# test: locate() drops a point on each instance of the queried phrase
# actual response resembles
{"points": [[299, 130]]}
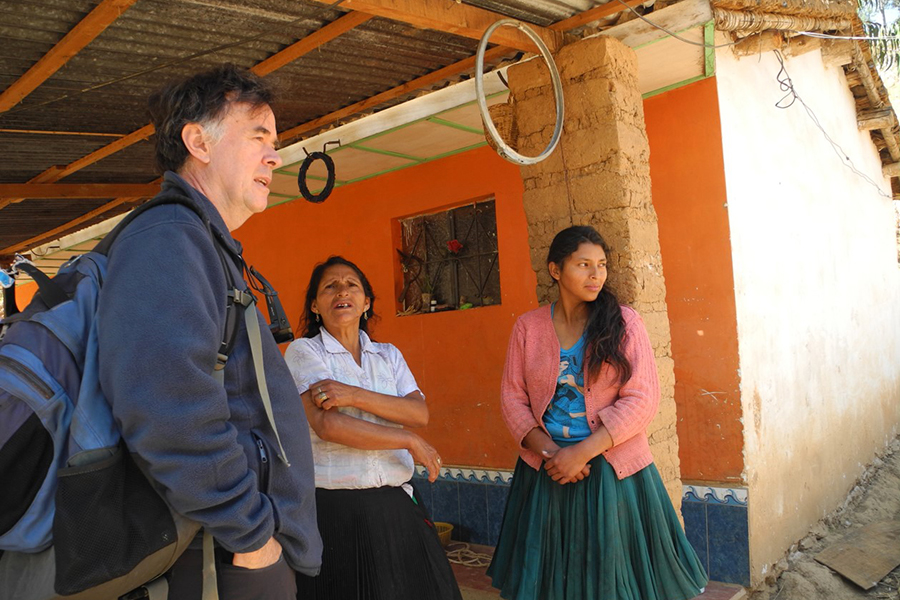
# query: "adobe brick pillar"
{"points": [[599, 175]]}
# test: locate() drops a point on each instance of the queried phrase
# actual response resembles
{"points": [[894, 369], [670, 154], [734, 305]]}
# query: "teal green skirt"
{"points": [[597, 539]]}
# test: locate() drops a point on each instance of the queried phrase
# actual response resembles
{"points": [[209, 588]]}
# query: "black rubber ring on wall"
{"points": [[329, 182]]}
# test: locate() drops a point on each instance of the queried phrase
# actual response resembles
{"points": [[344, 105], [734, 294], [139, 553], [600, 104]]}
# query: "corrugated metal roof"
{"points": [[104, 88]]}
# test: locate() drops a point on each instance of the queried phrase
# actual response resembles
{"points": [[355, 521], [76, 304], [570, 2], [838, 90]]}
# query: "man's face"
{"points": [[241, 162]]}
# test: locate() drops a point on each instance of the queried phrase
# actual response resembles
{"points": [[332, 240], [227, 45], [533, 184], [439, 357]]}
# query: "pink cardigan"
{"points": [[530, 377]]}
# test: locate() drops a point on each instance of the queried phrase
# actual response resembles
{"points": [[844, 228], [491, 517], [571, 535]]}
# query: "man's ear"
{"points": [[196, 142]]}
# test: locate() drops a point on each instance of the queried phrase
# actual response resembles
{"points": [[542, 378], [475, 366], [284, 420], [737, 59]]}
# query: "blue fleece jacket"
{"points": [[161, 320]]}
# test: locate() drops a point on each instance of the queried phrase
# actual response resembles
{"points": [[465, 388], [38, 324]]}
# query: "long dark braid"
{"points": [[605, 328]]}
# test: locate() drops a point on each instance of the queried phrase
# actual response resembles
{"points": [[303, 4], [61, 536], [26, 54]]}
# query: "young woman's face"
{"points": [[582, 274], [340, 299]]}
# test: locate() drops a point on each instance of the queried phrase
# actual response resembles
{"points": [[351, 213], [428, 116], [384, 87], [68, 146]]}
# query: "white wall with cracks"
{"points": [[817, 291]]}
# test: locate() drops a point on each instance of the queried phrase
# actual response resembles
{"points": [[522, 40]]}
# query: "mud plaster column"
{"points": [[599, 175]]}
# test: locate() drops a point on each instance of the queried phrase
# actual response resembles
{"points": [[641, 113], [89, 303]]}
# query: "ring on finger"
{"points": [[322, 396]]}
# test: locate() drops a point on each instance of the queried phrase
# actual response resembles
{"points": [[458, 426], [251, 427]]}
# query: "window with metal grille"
{"points": [[449, 259]]}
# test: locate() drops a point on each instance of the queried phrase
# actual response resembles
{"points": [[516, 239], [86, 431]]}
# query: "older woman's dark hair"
{"points": [[605, 327], [202, 99], [310, 326]]}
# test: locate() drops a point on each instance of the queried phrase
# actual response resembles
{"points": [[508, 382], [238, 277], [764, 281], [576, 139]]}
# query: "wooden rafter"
{"points": [[76, 190], [305, 45], [70, 133], [274, 62], [456, 18], [80, 36], [613, 7], [56, 173], [54, 233], [311, 42], [598, 12], [400, 90]]}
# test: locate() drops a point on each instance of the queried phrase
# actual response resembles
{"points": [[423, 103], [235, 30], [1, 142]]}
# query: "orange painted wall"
{"points": [[687, 171], [24, 294], [457, 357]]}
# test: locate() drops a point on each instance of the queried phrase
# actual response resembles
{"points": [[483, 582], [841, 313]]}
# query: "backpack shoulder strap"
{"points": [[235, 295]]}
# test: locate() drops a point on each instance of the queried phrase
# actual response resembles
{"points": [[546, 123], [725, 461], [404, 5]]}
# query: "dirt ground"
{"points": [[876, 497]]}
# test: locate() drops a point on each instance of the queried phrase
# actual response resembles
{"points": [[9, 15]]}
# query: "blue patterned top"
{"points": [[566, 417]]}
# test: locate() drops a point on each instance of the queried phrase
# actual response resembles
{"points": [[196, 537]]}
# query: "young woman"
{"points": [[588, 516], [360, 399]]}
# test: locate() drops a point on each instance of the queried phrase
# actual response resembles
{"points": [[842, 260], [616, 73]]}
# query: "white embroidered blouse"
{"points": [[384, 371]]}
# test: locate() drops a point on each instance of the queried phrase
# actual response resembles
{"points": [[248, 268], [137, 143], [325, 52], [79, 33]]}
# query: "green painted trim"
{"points": [[452, 152], [669, 88], [415, 160], [439, 121], [359, 146], [709, 38], [469, 103], [709, 61], [666, 37], [375, 136], [329, 152], [284, 169], [285, 201], [287, 198], [427, 160]]}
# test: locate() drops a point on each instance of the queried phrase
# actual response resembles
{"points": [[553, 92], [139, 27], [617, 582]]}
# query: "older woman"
{"points": [[360, 397]]}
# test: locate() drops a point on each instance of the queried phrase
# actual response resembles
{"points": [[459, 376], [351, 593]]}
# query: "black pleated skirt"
{"points": [[378, 545]]}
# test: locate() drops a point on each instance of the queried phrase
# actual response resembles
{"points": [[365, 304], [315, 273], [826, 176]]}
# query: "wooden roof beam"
{"points": [[51, 235], [891, 170], [395, 92], [311, 42], [103, 15], [612, 7], [274, 62], [598, 12], [879, 118], [456, 18], [77, 190]]}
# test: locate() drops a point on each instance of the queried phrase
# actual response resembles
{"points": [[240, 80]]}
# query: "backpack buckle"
{"points": [[242, 297], [221, 359]]}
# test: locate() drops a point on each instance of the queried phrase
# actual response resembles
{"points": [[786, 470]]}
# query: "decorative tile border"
{"points": [[715, 495], [467, 475], [716, 525]]}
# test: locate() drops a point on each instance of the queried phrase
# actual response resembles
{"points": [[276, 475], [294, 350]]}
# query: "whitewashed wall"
{"points": [[817, 289]]}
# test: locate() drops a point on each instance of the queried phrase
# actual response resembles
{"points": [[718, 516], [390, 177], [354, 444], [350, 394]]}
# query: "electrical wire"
{"points": [[175, 62], [791, 97], [335, 4], [827, 36], [675, 35], [705, 45]]}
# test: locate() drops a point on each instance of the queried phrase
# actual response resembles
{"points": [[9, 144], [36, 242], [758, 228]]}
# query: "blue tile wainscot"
{"points": [[715, 522], [472, 500]]}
